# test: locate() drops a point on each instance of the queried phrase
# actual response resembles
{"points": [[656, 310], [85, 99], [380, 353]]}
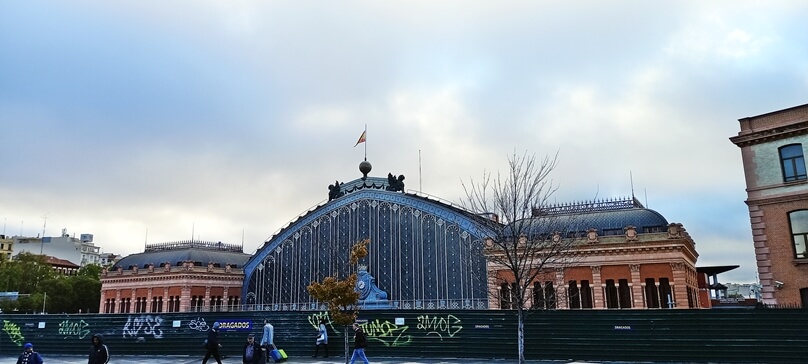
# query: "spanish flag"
{"points": [[361, 138]]}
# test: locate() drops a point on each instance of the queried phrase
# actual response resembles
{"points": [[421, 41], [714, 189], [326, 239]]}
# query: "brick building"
{"points": [[773, 147], [175, 277], [626, 256]]}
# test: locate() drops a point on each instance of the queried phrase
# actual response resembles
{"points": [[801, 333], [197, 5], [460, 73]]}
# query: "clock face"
{"points": [[361, 284]]}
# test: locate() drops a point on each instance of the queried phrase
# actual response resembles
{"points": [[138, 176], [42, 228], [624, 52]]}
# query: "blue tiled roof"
{"points": [[176, 257], [641, 218]]}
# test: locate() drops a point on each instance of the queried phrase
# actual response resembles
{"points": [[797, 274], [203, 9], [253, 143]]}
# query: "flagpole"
{"points": [[366, 141]]}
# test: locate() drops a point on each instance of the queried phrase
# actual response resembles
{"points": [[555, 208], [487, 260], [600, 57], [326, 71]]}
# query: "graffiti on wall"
{"points": [[198, 324], [145, 324], [13, 331], [392, 335], [449, 325], [387, 333], [68, 329]]}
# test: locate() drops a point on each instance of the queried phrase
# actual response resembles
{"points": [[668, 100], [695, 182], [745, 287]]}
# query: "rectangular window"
{"points": [[793, 163], [157, 304], [665, 293], [174, 304], [549, 295], [799, 232], [574, 295], [586, 295], [625, 293], [538, 296], [504, 296], [611, 294], [651, 296]]}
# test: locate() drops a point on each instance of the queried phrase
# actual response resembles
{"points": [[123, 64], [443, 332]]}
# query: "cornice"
{"points": [[771, 134]]}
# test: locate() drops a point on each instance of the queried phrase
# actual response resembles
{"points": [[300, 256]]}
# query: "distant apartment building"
{"points": [[108, 259], [6, 247], [80, 251], [747, 290], [773, 148]]}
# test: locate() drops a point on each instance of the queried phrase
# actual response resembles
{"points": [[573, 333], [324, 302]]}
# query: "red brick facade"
{"points": [[626, 266], [171, 289], [771, 197]]}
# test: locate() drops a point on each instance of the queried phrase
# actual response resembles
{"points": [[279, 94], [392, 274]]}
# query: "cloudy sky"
{"points": [[158, 121]]}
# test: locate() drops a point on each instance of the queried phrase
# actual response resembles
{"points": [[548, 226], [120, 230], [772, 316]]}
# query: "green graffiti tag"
{"points": [[449, 325], [13, 331], [314, 320], [387, 333], [69, 328]]}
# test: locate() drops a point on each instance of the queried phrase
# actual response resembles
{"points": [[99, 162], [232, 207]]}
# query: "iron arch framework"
{"points": [[425, 254]]}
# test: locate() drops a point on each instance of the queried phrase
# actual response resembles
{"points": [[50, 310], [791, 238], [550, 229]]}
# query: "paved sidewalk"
{"points": [[67, 359]]}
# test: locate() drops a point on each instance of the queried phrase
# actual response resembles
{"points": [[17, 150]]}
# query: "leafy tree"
{"points": [[38, 283], [87, 293], [340, 294], [25, 272], [90, 271], [526, 246]]}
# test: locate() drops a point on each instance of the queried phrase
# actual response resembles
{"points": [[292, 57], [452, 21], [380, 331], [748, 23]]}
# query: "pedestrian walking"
{"points": [[212, 344], [268, 339], [29, 356], [322, 339], [99, 353], [360, 343], [252, 351]]}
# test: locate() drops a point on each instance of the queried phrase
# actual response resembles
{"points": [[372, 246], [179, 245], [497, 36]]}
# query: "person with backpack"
{"points": [[29, 356], [360, 343], [252, 351]]}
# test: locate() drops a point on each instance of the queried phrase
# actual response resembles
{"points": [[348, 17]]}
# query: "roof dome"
{"points": [[199, 252], [608, 218]]}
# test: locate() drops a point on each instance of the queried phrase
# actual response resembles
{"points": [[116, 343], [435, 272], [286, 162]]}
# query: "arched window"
{"points": [[792, 162], [799, 232]]}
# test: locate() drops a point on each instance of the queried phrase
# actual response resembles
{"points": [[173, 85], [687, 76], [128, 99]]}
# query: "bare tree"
{"points": [[527, 244]]}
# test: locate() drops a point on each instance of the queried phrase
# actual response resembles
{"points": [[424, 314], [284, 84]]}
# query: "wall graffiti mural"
{"points": [[391, 334], [145, 324], [13, 331], [68, 329], [387, 333], [443, 325], [314, 320], [198, 324]]}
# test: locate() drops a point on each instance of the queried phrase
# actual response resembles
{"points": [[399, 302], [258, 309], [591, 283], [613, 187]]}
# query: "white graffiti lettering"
{"points": [[69, 328], [150, 325], [199, 324], [450, 325]]}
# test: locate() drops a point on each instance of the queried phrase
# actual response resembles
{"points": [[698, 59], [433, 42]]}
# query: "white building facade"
{"points": [[81, 251]]}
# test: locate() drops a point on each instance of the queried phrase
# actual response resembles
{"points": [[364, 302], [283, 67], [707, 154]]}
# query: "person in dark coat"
{"points": [[252, 353], [212, 344], [360, 343], [99, 353], [29, 356]]}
